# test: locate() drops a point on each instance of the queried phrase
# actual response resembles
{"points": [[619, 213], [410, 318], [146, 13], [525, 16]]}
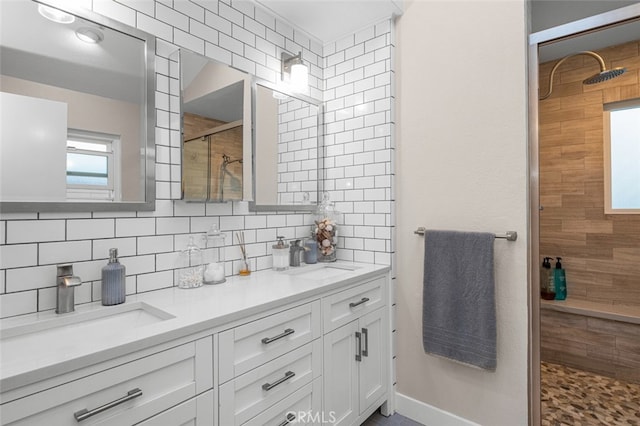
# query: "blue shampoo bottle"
{"points": [[560, 280]]}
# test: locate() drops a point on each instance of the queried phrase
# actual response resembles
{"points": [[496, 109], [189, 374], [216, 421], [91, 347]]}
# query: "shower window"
{"points": [[622, 157]]}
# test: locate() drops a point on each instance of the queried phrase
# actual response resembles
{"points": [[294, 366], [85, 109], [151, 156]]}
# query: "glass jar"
{"points": [[325, 229], [280, 255], [214, 256], [190, 266]]}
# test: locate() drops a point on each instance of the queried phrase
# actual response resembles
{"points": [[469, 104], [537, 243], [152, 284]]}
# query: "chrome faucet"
{"points": [[65, 283], [295, 252]]}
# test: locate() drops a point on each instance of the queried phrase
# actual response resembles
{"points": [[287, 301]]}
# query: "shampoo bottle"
{"points": [[560, 280], [547, 287], [113, 280]]}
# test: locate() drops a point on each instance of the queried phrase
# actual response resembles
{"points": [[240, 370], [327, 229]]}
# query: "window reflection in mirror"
{"points": [[286, 149], [215, 106], [63, 89]]}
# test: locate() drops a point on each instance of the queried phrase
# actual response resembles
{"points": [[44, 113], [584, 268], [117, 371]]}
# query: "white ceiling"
{"points": [[330, 20]]}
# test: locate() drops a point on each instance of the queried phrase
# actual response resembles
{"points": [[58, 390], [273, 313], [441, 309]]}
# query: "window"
{"points": [[622, 157], [92, 162]]}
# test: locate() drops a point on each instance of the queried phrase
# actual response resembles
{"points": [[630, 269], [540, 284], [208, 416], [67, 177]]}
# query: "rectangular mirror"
{"points": [[216, 129], [78, 111], [287, 149]]}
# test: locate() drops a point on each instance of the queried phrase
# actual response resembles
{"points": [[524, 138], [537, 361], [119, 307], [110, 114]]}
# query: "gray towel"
{"points": [[459, 314]]}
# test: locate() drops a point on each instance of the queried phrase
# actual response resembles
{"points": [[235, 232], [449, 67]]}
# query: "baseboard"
{"points": [[427, 414]]}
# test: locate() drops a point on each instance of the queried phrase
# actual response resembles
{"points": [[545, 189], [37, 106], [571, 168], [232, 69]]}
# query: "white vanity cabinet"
{"points": [[119, 392], [356, 354], [315, 353]]}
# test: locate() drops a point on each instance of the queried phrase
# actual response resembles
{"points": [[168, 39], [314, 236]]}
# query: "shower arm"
{"points": [[603, 67]]}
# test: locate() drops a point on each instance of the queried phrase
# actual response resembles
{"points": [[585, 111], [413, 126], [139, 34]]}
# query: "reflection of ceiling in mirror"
{"points": [[40, 50], [225, 104]]}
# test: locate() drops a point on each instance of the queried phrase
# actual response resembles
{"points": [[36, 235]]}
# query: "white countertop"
{"points": [[25, 361]]}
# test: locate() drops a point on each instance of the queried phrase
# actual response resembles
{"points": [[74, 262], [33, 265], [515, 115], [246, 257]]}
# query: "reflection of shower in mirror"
{"points": [[234, 183]]}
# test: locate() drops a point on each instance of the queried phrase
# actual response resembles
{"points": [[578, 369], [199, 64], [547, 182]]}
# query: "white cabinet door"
{"points": [[373, 367], [198, 411], [341, 374]]}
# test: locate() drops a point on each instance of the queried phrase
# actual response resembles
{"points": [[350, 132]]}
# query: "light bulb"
{"points": [[299, 77]]}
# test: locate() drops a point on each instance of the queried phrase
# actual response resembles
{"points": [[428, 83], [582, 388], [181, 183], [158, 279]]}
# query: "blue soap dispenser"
{"points": [[560, 280], [113, 280]]}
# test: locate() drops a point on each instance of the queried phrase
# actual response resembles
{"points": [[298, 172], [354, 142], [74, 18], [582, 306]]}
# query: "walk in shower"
{"points": [[590, 342]]}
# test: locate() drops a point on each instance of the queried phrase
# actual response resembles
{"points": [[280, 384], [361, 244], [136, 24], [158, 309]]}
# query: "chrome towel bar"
{"points": [[509, 235]]}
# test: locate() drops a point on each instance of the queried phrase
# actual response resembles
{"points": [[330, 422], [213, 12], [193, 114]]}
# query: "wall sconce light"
{"points": [[294, 72]]}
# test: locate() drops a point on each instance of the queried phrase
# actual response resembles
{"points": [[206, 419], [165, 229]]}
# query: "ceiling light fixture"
{"points": [[55, 15], [89, 35], [294, 72]]}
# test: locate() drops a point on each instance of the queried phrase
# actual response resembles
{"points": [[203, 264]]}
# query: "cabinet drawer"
{"points": [[134, 391], [248, 395], [304, 406], [197, 411], [252, 344], [341, 308]]}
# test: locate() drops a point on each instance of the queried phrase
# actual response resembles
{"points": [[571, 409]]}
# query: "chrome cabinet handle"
{"points": [[287, 376], [85, 414], [290, 417], [354, 304], [287, 332], [365, 333], [358, 346]]}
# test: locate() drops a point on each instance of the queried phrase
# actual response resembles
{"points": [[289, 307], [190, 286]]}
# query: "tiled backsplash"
{"points": [[353, 76]]}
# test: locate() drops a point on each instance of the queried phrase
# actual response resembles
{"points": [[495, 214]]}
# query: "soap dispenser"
{"points": [[560, 280], [280, 253], [113, 280], [547, 287]]}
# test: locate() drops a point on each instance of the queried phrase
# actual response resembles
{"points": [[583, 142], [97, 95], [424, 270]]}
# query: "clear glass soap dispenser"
{"points": [[280, 252]]}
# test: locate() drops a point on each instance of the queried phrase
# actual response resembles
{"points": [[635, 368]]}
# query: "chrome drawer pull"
{"points": [[365, 333], [85, 414], [290, 417], [287, 332], [287, 376], [358, 346], [354, 304]]}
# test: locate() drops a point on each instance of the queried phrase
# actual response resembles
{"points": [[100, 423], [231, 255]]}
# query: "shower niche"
{"points": [[216, 128]]}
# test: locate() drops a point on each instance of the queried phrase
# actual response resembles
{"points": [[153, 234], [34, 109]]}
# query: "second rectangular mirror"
{"points": [[287, 150], [216, 129]]}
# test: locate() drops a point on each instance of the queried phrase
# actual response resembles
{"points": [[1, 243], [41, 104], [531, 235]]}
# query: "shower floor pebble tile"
{"points": [[577, 398]]}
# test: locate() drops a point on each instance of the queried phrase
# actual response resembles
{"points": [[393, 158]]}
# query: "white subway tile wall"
{"points": [[353, 76], [359, 145]]}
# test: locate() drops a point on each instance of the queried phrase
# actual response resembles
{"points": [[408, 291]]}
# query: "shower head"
{"points": [[603, 75]]}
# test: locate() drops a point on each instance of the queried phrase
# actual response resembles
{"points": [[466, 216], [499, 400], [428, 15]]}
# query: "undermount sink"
{"points": [[321, 271], [78, 324]]}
